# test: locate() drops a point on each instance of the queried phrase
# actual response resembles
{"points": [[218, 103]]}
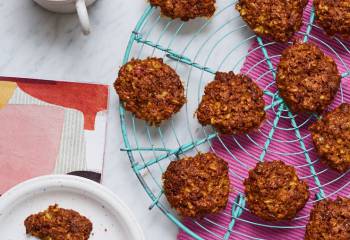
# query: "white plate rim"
{"points": [[78, 183]]}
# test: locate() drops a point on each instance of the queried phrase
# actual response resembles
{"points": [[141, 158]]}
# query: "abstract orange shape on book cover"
{"points": [[29, 142], [70, 95]]}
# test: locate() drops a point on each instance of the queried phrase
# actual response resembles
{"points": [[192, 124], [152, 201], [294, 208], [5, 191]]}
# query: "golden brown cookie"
{"points": [[274, 19], [196, 186], [232, 104], [331, 137], [333, 16], [150, 89], [274, 191], [329, 220], [307, 79], [58, 224], [185, 9]]}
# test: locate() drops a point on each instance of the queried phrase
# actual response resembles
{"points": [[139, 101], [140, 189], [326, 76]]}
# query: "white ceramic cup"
{"points": [[70, 6]]}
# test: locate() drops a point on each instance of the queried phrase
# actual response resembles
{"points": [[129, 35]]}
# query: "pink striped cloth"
{"points": [[243, 152]]}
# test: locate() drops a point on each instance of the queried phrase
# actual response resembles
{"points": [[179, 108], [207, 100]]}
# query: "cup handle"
{"points": [[83, 16]]}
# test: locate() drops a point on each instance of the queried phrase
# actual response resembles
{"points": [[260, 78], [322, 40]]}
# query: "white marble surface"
{"points": [[38, 44]]}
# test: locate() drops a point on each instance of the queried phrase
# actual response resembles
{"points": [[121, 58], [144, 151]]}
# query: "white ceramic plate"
{"points": [[110, 217]]}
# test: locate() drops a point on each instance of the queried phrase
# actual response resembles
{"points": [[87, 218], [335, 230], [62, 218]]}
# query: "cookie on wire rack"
{"points": [[185, 9], [307, 79], [274, 191], [333, 16], [232, 104], [331, 137], [150, 89], [197, 186], [277, 20], [329, 220]]}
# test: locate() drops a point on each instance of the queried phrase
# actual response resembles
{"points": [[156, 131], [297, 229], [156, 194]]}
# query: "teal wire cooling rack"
{"points": [[197, 50]]}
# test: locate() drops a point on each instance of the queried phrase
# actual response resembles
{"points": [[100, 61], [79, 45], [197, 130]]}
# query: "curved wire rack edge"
{"points": [[126, 140]]}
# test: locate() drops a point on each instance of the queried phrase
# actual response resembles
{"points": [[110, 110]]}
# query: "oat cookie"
{"points": [[307, 79], [329, 220], [274, 19], [150, 89], [232, 104], [331, 137], [185, 9], [58, 224], [334, 17], [196, 186], [274, 192]]}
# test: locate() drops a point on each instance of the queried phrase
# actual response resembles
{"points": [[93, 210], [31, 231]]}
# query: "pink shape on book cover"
{"points": [[29, 142]]}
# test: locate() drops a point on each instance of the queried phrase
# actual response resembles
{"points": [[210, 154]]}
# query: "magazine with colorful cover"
{"points": [[51, 127]]}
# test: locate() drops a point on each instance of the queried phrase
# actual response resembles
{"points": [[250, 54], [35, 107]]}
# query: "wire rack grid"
{"points": [[197, 51]]}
